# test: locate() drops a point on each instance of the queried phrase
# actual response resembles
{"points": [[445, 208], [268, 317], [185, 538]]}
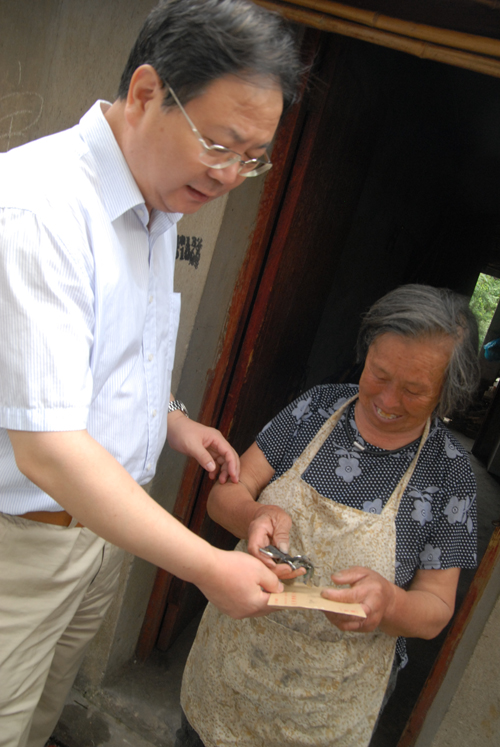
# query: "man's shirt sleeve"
{"points": [[46, 326]]}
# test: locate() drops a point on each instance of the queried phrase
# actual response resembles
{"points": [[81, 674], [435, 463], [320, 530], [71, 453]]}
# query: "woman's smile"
{"points": [[385, 415], [400, 387]]}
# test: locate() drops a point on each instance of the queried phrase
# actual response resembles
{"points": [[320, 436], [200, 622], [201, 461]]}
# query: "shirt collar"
{"points": [[118, 187]]}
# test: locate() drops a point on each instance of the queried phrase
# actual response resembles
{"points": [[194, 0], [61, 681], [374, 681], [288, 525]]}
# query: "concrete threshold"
{"points": [[139, 707], [83, 723]]}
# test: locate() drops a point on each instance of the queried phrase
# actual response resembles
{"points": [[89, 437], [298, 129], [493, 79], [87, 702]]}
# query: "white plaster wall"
{"points": [[466, 706]]}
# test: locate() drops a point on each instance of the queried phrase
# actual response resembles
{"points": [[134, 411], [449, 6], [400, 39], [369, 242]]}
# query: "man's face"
{"points": [[163, 152]]}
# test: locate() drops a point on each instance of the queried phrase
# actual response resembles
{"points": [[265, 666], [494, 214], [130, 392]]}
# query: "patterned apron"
{"points": [[292, 678]]}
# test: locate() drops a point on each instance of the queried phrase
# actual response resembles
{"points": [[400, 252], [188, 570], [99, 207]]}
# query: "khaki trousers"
{"points": [[56, 585]]}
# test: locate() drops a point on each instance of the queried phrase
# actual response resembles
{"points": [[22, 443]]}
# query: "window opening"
{"points": [[484, 302]]}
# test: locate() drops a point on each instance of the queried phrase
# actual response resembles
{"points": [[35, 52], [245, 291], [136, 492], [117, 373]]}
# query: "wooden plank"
{"points": [[425, 50], [477, 17], [152, 620], [425, 32]]}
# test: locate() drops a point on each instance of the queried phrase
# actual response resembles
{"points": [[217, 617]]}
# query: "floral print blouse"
{"points": [[436, 524]]}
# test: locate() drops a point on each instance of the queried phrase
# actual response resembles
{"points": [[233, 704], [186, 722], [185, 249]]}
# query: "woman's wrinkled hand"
{"points": [[271, 526], [366, 587]]}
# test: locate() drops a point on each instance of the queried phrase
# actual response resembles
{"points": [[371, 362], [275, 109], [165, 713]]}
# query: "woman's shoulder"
{"points": [[328, 397], [442, 438], [295, 425], [445, 460], [314, 405]]}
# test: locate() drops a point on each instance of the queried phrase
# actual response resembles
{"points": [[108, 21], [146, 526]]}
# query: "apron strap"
{"points": [[395, 499], [319, 439]]}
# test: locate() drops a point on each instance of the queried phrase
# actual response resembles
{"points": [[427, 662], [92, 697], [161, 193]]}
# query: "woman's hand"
{"points": [[271, 526], [422, 611], [369, 589], [207, 445]]}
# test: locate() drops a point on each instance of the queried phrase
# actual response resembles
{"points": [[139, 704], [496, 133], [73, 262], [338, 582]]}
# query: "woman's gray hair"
{"points": [[422, 311], [191, 43]]}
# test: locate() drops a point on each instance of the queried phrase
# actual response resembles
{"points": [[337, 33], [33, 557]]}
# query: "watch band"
{"points": [[176, 404]]}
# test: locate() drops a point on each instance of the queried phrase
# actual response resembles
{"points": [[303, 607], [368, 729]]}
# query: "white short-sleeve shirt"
{"points": [[88, 315]]}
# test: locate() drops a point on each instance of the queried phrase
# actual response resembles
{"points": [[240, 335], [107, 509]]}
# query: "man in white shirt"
{"points": [[88, 320]]}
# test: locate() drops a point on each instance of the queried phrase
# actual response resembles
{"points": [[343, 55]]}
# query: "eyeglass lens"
{"points": [[218, 157]]}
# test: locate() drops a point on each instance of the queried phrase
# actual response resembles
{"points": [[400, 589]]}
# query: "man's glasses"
{"points": [[218, 157]]}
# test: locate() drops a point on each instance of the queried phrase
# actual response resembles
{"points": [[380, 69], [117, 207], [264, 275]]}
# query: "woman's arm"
{"points": [[234, 507], [427, 606], [420, 612]]}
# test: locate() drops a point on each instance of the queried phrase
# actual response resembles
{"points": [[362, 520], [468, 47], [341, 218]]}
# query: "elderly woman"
{"points": [[370, 485]]}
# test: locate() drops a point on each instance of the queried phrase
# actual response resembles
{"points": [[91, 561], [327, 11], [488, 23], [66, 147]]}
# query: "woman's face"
{"points": [[401, 385]]}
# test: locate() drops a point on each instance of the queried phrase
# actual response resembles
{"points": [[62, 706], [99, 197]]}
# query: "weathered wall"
{"points": [[466, 709], [474, 714], [57, 57]]}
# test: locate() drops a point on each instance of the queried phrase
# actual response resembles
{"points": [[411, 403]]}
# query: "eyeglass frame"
{"points": [[266, 165]]}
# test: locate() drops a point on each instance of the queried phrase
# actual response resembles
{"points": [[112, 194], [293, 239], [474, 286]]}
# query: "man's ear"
{"points": [[145, 86]]}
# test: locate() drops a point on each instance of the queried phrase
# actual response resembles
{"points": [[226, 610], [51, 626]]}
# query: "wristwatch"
{"points": [[176, 404]]}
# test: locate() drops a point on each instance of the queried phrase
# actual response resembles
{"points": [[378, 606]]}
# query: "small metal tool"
{"points": [[295, 562]]}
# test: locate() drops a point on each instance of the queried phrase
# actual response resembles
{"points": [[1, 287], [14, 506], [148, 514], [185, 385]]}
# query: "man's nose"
{"points": [[228, 176]]}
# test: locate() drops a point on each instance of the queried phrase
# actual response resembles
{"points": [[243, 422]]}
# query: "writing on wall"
{"points": [[189, 249], [19, 111]]}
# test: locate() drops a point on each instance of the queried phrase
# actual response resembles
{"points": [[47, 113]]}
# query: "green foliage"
{"points": [[484, 302]]}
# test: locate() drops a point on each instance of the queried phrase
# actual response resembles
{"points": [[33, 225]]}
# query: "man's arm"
{"points": [[92, 486]]}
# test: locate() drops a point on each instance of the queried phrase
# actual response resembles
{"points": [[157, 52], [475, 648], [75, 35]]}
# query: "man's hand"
{"points": [[238, 584], [207, 445], [368, 588]]}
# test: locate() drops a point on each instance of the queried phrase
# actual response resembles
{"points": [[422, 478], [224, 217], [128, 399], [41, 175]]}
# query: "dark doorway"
{"points": [[402, 185]]}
